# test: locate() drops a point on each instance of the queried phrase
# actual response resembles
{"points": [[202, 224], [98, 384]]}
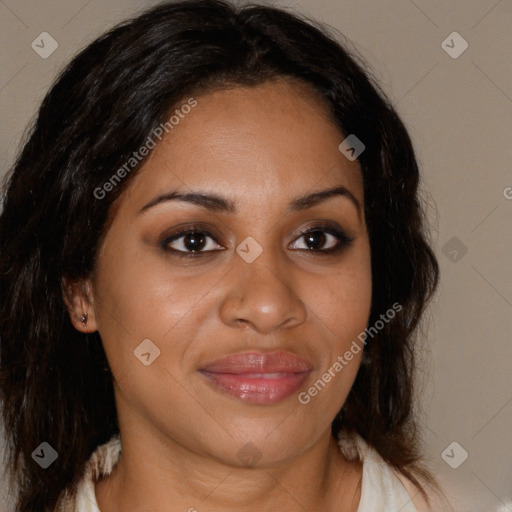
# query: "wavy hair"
{"points": [[55, 385]]}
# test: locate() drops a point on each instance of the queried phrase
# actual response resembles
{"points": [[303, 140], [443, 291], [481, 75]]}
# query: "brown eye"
{"points": [[191, 242], [316, 239], [194, 241]]}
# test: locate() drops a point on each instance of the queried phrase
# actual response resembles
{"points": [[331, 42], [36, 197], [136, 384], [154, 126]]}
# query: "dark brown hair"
{"points": [[102, 107]]}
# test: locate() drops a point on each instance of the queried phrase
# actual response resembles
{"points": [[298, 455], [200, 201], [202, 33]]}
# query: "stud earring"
{"points": [[83, 319]]}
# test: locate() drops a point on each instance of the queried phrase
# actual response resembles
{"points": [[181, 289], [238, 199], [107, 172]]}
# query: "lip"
{"points": [[258, 377]]}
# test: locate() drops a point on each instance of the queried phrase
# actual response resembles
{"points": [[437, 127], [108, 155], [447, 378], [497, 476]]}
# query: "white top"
{"points": [[381, 490]]}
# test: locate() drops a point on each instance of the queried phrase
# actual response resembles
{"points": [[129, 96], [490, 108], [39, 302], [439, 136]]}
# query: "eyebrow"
{"points": [[216, 203]]}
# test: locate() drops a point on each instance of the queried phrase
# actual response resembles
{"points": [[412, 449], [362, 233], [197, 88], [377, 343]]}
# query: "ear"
{"points": [[79, 301]]}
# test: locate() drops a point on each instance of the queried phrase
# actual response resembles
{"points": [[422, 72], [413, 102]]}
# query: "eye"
{"points": [[197, 241], [323, 240], [191, 242]]}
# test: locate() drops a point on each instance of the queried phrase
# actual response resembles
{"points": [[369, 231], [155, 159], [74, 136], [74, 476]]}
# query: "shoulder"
{"points": [[438, 500], [105, 458], [101, 463], [383, 487], [415, 493]]}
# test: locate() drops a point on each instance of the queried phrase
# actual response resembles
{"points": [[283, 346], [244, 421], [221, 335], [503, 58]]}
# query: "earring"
{"points": [[83, 319]]}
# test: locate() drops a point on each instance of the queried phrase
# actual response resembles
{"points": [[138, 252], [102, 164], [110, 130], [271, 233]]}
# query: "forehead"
{"points": [[276, 140]]}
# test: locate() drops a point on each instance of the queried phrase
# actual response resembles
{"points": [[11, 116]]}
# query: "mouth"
{"points": [[257, 377]]}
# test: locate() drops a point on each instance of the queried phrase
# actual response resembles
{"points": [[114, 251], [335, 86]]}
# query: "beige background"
{"points": [[459, 113]]}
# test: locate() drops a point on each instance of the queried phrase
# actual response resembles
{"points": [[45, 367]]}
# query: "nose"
{"points": [[262, 296]]}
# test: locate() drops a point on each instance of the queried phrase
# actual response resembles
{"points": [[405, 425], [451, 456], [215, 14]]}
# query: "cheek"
{"points": [[343, 307], [343, 317], [343, 300], [143, 297]]}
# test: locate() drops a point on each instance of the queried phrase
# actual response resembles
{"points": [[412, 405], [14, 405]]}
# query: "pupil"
{"points": [[316, 239], [194, 241]]}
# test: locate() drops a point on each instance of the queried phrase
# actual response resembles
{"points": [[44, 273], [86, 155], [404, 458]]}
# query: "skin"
{"points": [[260, 148]]}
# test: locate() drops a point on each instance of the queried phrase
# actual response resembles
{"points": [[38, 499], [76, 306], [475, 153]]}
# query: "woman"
{"points": [[212, 267]]}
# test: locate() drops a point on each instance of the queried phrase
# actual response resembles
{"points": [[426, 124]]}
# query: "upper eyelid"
{"points": [[177, 236]]}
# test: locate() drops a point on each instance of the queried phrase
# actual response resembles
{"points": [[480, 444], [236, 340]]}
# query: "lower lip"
{"points": [[257, 389]]}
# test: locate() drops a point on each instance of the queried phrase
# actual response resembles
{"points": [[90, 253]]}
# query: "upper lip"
{"points": [[259, 362]]}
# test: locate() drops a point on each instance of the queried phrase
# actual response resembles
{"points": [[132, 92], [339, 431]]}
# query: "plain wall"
{"points": [[458, 111]]}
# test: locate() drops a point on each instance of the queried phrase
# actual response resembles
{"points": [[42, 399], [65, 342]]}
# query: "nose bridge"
{"points": [[262, 293]]}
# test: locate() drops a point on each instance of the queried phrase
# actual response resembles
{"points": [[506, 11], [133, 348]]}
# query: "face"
{"points": [[224, 244]]}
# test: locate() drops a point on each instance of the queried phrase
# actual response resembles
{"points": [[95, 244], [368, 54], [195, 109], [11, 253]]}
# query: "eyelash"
{"points": [[344, 240]]}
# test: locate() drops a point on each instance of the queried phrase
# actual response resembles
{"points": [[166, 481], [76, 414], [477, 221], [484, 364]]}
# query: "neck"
{"points": [[159, 474]]}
